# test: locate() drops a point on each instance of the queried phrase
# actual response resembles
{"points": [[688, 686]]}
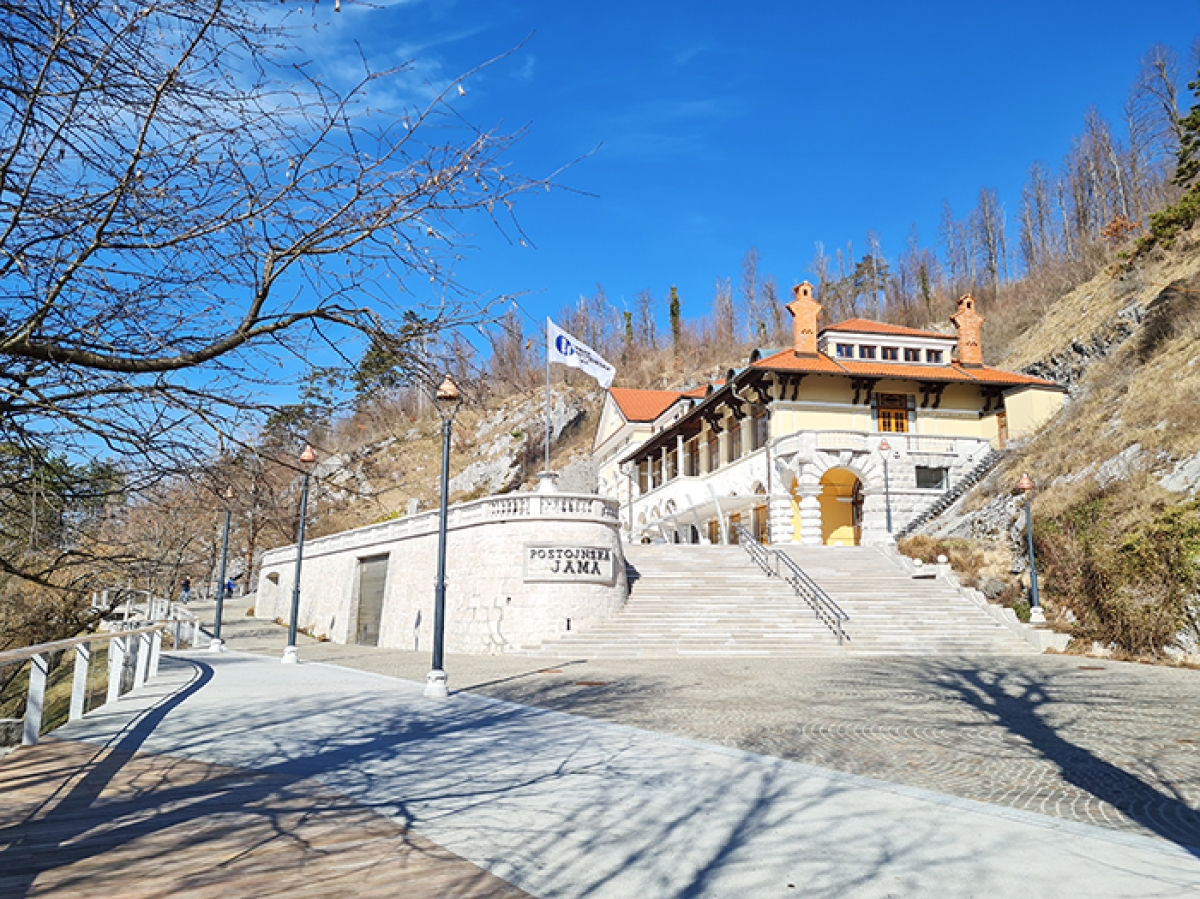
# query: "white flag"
{"points": [[562, 347]]}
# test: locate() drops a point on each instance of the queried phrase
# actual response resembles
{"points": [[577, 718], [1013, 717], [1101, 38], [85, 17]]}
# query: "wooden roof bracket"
{"points": [[861, 384], [934, 392]]}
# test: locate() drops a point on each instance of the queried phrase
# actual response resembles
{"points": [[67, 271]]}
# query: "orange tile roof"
{"points": [[644, 405], [903, 372], [866, 326], [1000, 376], [789, 361], [822, 364]]}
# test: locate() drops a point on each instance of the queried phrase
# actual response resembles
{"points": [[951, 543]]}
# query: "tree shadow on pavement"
{"points": [[1020, 702], [535, 797]]}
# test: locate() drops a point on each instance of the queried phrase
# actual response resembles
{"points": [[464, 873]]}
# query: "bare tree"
{"points": [[911, 288], [820, 266], [987, 222], [771, 300], [511, 361], [724, 314], [959, 248], [174, 200], [756, 323], [1036, 233], [183, 213], [646, 330]]}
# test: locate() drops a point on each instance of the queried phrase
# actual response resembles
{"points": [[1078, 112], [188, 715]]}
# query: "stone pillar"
{"points": [[779, 514], [810, 516]]}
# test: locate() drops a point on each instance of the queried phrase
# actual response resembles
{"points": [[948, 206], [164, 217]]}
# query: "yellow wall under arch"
{"points": [[837, 508]]}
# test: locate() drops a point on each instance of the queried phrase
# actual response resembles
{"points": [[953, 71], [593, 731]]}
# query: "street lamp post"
{"points": [[884, 449], [291, 655], [1036, 615], [448, 400], [217, 644]]}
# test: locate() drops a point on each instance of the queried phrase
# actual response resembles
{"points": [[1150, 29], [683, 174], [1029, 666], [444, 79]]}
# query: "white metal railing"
{"points": [[133, 654]]}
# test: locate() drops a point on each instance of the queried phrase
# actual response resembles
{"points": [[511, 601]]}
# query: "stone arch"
{"points": [[865, 468]]}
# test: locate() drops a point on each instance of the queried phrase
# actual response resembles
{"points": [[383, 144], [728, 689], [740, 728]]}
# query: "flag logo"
{"points": [[561, 347]]}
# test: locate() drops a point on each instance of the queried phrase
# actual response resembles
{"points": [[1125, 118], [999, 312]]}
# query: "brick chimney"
{"points": [[969, 324], [805, 313]]}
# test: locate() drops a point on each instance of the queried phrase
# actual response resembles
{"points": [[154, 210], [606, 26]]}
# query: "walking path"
{"points": [[561, 805], [81, 820], [237, 775], [1091, 741]]}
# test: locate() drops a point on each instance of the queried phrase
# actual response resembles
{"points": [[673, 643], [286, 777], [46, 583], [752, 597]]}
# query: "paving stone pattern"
{"points": [[1100, 742]]}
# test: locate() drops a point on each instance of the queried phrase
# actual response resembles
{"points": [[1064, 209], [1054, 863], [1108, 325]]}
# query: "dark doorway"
{"points": [[372, 578]]}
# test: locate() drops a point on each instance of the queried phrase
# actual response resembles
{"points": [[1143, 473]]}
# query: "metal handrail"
{"points": [[780, 565]]}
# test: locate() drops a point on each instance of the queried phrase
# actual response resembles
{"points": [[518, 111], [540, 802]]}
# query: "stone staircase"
{"points": [[714, 601], [698, 601], [953, 495], [892, 613]]}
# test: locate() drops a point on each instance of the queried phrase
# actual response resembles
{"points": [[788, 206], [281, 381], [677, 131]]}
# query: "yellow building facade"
{"points": [[844, 438]]}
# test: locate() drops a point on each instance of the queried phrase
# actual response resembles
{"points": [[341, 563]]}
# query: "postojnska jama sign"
{"points": [[592, 564]]}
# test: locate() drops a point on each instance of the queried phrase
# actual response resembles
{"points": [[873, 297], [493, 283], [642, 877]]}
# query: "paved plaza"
{"points": [[1093, 741], [1024, 776]]}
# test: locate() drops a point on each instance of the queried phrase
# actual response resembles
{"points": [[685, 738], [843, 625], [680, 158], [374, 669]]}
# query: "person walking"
{"points": [[185, 591], [229, 585]]}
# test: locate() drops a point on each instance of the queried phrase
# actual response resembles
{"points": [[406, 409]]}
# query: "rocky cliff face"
{"points": [[496, 449], [1127, 346]]}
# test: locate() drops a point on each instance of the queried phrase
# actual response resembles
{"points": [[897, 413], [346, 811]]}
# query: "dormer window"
{"points": [[845, 351], [866, 352], [933, 356], [889, 354], [911, 355]]}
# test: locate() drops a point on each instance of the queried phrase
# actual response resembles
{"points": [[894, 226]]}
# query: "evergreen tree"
{"points": [[1187, 168], [676, 319]]}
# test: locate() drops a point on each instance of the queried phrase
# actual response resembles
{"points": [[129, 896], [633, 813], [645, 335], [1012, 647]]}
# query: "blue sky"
{"points": [[715, 127]]}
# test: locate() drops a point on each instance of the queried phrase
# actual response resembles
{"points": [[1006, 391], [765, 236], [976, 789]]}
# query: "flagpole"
{"points": [[547, 398]]}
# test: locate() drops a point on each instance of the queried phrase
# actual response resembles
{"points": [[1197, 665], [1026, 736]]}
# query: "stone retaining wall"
{"points": [[496, 599]]}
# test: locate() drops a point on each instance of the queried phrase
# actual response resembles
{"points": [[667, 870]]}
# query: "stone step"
{"points": [[707, 600]]}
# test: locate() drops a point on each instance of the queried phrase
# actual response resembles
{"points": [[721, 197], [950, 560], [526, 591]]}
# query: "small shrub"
{"points": [[1134, 588], [965, 559], [1169, 223]]}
